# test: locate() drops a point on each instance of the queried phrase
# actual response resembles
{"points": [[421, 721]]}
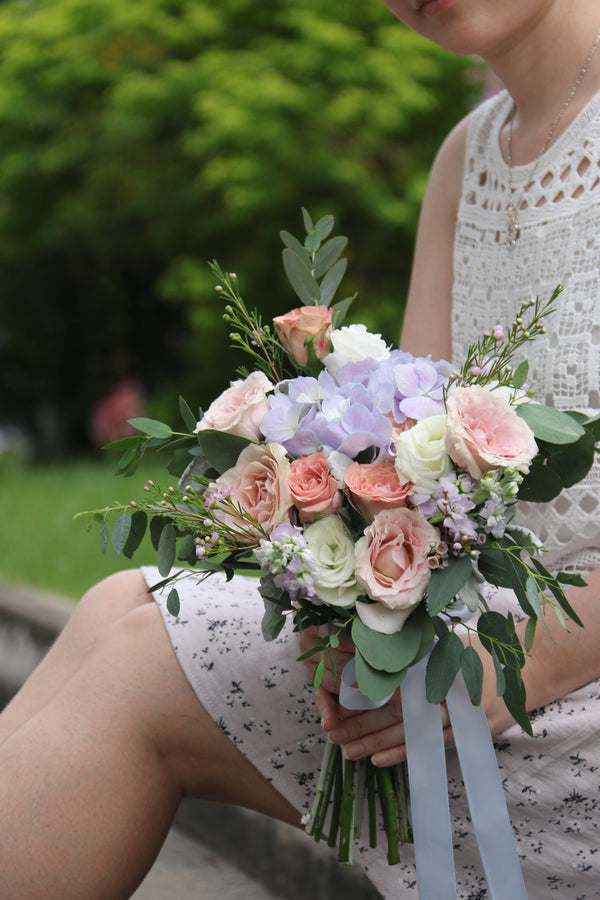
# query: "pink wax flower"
{"points": [[484, 432], [305, 322]]}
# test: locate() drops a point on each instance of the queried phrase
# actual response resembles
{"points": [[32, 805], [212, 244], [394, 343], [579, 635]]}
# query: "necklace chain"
{"points": [[513, 231]]}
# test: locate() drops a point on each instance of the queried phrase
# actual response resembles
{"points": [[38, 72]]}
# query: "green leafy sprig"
{"points": [[490, 359]]}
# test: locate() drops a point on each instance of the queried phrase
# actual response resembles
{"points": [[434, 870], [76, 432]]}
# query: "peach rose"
{"points": [[391, 567], [240, 408], [258, 485], [313, 488], [375, 487], [484, 432], [306, 322]]}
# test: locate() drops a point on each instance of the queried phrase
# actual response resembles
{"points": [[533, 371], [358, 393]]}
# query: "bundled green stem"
{"points": [[343, 790]]}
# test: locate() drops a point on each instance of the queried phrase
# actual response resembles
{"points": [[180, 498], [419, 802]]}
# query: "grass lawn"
{"points": [[40, 542]]}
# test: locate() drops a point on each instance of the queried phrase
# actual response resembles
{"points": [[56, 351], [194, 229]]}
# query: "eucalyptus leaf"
{"points": [[157, 523], [300, 278], [500, 679], [388, 652], [103, 536], [514, 697], [558, 593], [331, 281], [318, 673], [549, 424], [529, 634], [151, 427], [221, 449], [472, 671], [128, 462], [313, 241], [497, 632], [427, 632], [120, 533], [270, 626], [572, 463], [126, 443], [572, 578], [446, 583], [139, 522], [328, 254], [541, 484], [442, 667], [173, 602], [166, 549], [492, 564], [296, 247], [324, 226], [520, 374], [189, 419], [187, 549], [374, 683], [308, 223], [533, 595], [340, 310]]}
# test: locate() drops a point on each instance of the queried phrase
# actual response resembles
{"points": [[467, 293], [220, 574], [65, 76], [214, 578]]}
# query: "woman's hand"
{"points": [[379, 733]]}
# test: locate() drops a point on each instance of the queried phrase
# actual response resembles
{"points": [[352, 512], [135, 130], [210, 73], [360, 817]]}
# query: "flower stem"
{"points": [[328, 760], [372, 805], [347, 813], [326, 791], [400, 779], [361, 787], [338, 785], [387, 799]]}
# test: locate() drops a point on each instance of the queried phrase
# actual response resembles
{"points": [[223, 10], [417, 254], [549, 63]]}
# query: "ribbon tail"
{"points": [[430, 811], [487, 804]]}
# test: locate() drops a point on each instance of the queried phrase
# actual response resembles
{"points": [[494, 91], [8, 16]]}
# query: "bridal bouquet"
{"points": [[373, 493]]}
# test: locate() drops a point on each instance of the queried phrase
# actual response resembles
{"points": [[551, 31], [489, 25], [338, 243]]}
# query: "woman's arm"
{"points": [[427, 321]]}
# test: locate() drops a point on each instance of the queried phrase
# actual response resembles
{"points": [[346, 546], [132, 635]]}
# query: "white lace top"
{"points": [[560, 243]]}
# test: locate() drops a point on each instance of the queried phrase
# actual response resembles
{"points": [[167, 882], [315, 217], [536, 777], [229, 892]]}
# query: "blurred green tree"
{"points": [[140, 140]]}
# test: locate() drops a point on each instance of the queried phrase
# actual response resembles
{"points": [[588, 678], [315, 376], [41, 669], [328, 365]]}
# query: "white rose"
{"points": [[353, 343], [421, 454], [332, 547]]}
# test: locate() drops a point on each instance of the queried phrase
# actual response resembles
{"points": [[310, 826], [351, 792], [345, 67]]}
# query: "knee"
{"points": [[110, 600]]}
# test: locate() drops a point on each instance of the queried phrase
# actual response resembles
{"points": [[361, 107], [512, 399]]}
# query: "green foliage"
{"points": [[140, 140]]}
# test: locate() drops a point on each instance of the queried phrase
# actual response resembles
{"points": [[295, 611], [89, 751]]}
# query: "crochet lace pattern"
{"points": [[559, 216]]}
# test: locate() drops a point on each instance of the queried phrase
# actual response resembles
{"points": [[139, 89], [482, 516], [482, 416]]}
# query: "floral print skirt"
{"points": [[257, 693]]}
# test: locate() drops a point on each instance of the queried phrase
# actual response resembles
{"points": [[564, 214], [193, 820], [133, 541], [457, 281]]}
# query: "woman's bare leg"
{"points": [[98, 610], [90, 782]]}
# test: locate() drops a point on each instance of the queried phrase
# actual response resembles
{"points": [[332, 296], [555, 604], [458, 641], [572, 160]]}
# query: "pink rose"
{"points": [[257, 484], [313, 488], [306, 322], [484, 432], [374, 487], [240, 408], [391, 567]]}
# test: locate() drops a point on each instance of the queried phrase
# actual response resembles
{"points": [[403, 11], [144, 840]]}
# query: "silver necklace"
{"points": [[513, 231]]}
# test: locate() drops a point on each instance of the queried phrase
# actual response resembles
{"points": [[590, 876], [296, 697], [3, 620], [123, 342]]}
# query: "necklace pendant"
{"points": [[513, 231]]}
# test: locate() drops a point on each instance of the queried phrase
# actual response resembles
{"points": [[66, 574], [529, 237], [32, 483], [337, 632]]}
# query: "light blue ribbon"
{"points": [[430, 812], [434, 857], [485, 794]]}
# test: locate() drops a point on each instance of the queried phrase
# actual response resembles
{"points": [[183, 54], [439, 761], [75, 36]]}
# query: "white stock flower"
{"points": [[421, 454], [353, 343], [332, 547]]}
